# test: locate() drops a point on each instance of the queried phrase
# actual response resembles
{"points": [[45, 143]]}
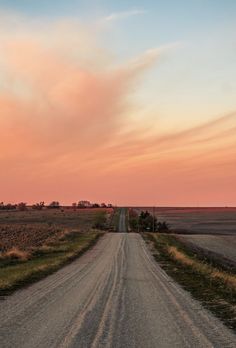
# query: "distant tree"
{"points": [[38, 206], [54, 205], [7, 206], [10, 206], [147, 222], [84, 204], [22, 206], [95, 205]]}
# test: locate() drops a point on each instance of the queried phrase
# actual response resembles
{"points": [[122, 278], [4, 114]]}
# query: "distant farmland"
{"points": [[209, 231], [32, 228], [35, 243], [198, 220]]}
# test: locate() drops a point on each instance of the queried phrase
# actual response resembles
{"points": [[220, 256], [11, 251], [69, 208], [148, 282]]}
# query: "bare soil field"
{"points": [[31, 229], [26, 236], [200, 220], [34, 244], [211, 231], [217, 247]]}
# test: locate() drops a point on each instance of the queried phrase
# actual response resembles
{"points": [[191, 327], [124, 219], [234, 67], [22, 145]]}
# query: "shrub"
{"points": [[54, 205], [147, 222], [38, 206], [22, 206], [7, 206], [163, 227]]}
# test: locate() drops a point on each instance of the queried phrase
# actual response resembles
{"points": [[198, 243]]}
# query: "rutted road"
{"points": [[115, 295]]}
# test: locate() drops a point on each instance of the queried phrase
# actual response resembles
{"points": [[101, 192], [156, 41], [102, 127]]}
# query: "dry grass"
{"points": [[16, 254], [203, 268], [213, 285], [179, 256], [229, 280], [220, 247], [14, 273], [36, 243]]}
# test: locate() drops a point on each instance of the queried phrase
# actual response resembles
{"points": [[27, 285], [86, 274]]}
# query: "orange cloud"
{"points": [[65, 131]]}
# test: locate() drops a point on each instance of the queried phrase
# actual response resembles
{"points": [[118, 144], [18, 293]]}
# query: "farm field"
{"points": [[210, 229], [224, 246], [199, 220], [30, 229], [34, 244]]}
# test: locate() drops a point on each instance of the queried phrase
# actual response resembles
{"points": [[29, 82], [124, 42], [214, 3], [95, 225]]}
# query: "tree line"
{"points": [[146, 222], [53, 205]]}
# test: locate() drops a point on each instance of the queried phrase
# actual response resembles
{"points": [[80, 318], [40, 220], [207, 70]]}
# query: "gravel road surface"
{"points": [[122, 221], [115, 295]]}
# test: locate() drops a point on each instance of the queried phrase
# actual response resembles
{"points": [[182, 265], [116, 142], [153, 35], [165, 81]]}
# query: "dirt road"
{"points": [[113, 296], [122, 221]]}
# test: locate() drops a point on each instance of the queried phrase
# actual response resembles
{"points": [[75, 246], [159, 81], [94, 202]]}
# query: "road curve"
{"points": [[115, 295]]}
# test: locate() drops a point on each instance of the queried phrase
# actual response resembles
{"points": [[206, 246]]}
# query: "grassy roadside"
{"points": [[127, 220], [115, 220], [213, 286], [16, 273]]}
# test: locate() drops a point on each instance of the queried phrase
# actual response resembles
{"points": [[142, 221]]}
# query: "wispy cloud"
{"points": [[53, 107], [124, 14], [64, 123]]}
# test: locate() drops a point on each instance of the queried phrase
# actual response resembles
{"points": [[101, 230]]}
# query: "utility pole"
{"points": [[153, 219], [138, 223]]}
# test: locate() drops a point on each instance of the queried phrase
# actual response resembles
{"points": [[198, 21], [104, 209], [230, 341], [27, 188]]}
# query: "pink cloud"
{"points": [[65, 131]]}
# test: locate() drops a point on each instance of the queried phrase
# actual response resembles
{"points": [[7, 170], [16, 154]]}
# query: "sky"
{"points": [[128, 102]]}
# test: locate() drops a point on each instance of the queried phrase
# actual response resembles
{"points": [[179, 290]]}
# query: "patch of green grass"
{"points": [[44, 261], [214, 287]]}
